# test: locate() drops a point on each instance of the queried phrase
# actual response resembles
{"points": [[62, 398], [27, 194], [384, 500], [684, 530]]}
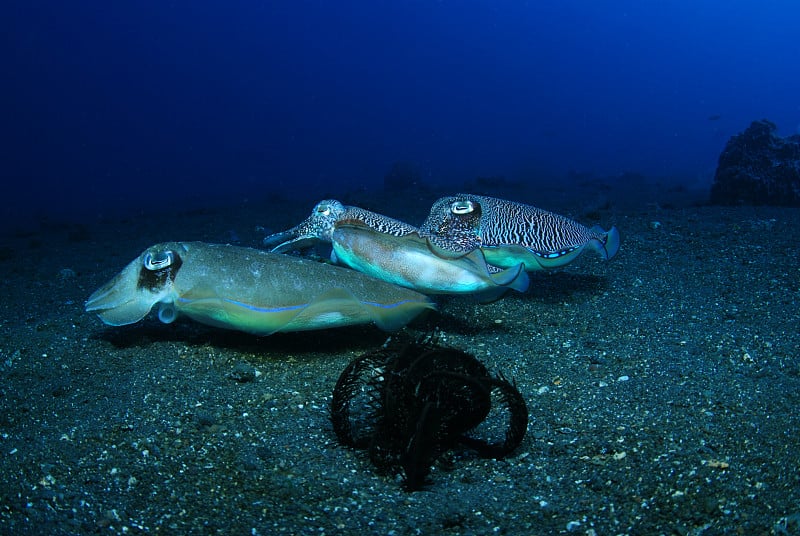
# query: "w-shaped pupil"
{"points": [[158, 261]]}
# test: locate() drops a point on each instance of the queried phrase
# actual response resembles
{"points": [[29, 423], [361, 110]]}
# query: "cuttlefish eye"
{"points": [[323, 209], [462, 207], [158, 260]]}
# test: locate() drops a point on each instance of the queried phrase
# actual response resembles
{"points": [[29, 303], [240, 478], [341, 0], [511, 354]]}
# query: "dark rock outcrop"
{"points": [[758, 167]]}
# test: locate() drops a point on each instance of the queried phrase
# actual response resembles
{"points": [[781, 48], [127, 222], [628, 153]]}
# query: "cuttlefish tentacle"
{"points": [[250, 290], [413, 261], [319, 226], [511, 233]]}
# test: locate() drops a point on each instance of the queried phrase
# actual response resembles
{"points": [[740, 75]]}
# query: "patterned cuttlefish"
{"points": [[510, 233], [398, 252], [250, 290], [319, 226]]}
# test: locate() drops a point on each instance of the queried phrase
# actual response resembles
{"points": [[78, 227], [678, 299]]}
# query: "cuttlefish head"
{"points": [[318, 227], [146, 281], [456, 219]]}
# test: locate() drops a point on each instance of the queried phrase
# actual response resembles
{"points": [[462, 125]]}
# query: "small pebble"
{"points": [[242, 373]]}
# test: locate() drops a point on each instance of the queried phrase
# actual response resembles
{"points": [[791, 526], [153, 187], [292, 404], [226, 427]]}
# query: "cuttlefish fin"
{"points": [[607, 244], [336, 307], [513, 277], [339, 307], [203, 303]]}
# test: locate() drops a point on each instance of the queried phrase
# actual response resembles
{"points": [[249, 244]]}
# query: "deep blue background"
{"points": [[110, 106]]}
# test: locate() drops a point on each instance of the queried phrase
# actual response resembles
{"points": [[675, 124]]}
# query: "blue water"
{"points": [[113, 107]]}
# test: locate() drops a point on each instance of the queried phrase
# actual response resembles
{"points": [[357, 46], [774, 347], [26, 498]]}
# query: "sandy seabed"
{"points": [[663, 390]]}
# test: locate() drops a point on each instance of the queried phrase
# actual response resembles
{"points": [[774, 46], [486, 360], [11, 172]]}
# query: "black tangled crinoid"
{"points": [[409, 403]]}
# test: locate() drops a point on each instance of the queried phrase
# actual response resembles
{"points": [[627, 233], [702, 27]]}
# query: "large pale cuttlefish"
{"points": [[510, 233], [414, 261], [398, 252], [250, 290]]}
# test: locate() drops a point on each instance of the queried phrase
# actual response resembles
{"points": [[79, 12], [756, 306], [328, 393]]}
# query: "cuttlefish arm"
{"points": [[511, 233], [319, 226], [250, 290], [412, 261]]}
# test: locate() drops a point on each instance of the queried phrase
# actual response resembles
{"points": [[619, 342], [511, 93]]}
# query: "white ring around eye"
{"points": [[158, 261], [462, 207]]}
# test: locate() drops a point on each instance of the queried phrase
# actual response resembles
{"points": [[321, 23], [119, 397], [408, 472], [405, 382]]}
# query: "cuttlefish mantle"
{"points": [[250, 290]]}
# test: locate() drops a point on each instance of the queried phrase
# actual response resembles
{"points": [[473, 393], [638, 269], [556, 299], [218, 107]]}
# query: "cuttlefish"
{"points": [[510, 233], [413, 261], [398, 252], [250, 290], [325, 215]]}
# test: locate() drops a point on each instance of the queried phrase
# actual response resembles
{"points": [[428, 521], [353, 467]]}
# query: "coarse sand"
{"points": [[663, 390]]}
